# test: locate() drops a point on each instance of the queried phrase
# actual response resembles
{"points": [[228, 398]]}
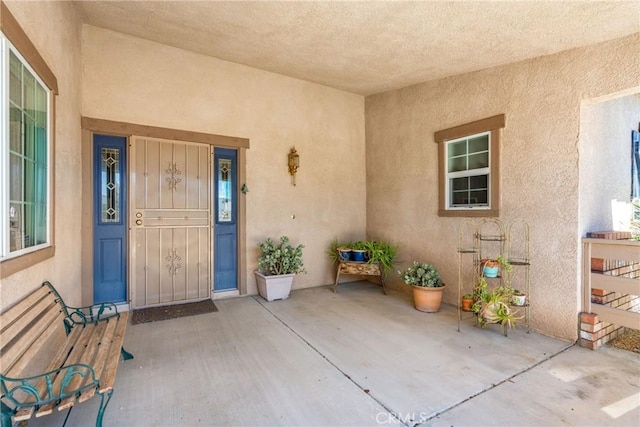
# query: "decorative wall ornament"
{"points": [[173, 262], [173, 173], [293, 163]]}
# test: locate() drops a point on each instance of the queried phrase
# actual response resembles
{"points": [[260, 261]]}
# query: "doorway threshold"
{"points": [[226, 294]]}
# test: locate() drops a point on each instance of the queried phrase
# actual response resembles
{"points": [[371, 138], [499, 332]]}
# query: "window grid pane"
{"points": [[469, 191], [468, 171], [28, 158]]}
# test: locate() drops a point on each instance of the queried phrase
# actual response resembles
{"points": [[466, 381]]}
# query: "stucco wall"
{"points": [[134, 80], [605, 161], [541, 99], [55, 30]]}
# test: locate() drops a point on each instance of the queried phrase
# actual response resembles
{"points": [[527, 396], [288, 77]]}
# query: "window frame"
{"points": [[13, 37], [490, 126], [467, 172]]}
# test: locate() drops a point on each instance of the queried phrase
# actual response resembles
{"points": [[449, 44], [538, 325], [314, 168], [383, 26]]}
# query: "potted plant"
{"points": [[519, 298], [427, 286], [490, 267], [381, 253], [492, 305], [467, 302], [277, 266], [339, 251], [359, 251]]}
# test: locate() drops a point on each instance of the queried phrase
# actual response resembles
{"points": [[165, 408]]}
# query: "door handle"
{"points": [[138, 222]]}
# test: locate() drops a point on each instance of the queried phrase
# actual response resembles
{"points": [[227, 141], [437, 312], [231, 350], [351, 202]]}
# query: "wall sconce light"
{"points": [[293, 163]]}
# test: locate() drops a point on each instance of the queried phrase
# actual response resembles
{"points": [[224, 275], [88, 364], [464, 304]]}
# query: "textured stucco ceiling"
{"points": [[369, 47]]}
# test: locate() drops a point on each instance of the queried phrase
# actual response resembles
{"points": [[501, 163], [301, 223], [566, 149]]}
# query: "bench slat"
{"points": [[56, 363], [87, 334], [9, 316], [87, 356], [17, 326], [108, 377], [93, 356], [101, 359], [24, 414], [14, 359]]}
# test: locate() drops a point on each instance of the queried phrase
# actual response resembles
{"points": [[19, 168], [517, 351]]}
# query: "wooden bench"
{"points": [[54, 356]]}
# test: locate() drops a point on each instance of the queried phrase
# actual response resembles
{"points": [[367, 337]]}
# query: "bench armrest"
{"points": [[83, 315], [91, 313], [49, 387]]}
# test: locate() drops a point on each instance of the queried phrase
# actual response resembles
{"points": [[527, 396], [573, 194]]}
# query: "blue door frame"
{"points": [[225, 220], [110, 219]]}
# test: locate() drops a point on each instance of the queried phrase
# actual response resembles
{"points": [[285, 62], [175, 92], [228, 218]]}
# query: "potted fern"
{"points": [[278, 264], [427, 286]]}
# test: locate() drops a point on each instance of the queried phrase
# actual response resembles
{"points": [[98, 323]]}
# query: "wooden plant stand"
{"points": [[359, 268]]}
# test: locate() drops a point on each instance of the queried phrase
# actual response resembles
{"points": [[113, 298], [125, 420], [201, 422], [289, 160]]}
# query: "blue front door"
{"points": [[109, 230], [226, 224]]}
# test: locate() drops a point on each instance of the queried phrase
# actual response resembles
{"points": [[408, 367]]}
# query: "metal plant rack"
{"points": [[488, 238]]}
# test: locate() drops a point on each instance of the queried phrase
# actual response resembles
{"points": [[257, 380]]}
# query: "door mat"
{"points": [[153, 314]]}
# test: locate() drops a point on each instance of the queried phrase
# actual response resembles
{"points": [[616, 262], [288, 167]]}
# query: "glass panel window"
{"points": [[468, 172], [225, 205], [25, 156], [110, 180]]}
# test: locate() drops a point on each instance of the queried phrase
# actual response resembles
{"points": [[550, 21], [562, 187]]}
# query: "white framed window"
{"points": [[25, 156], [469, 168], [468, 176]]}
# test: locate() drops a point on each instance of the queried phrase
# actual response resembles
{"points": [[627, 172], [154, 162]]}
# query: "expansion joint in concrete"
{"points": [[493, 386], [397, 421]]}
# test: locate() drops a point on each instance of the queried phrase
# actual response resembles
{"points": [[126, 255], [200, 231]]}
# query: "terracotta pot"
{"points": [[466, 304], [427, 299]]}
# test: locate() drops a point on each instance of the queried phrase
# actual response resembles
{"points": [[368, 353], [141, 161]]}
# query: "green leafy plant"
{"points": [[424, 275], [495, 308], [494, 305], [360, 245], [280, 258], [332, 250], [505, 265], [381, 253], [377, 252]]}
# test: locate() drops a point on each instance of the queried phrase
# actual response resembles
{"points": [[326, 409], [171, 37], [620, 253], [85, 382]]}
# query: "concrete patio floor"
{"points": [[358, 358]]}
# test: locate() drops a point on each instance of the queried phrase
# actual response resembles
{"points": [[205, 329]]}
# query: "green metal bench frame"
{"points": [[11, 388]]}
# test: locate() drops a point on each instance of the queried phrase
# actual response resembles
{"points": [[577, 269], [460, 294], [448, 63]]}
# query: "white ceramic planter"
{"points": [[274, 288], [519, 300]]}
